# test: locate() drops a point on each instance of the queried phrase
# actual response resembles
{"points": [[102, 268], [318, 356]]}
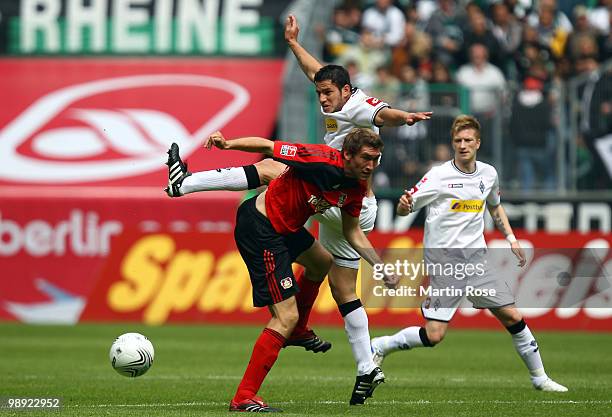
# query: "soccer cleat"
{"points": [[309, 341], [365, 386], [253, 405], [378, 355], [550, 386], [177, 172]]}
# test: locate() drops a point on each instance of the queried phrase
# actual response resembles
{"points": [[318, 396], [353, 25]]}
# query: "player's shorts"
{"points": [[332, 238], [484, 291], [268, 255]]}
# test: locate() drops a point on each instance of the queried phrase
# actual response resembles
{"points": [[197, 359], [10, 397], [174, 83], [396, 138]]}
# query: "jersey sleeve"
{"points": [[494, 199], [365, 112], [305, 156], [426, 190]]}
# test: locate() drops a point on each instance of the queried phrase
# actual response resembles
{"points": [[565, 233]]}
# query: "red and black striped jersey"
{"points": [[313, 182]]}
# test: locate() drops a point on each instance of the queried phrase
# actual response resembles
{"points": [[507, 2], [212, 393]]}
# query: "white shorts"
{"points": [[332, 238], [485, 291]]}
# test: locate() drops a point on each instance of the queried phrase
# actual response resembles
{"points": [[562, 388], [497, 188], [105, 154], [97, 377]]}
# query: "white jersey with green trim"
{"points": [[359, 111], [456, 203]]}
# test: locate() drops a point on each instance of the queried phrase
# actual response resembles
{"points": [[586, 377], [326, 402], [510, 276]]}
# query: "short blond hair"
{"points": [[465, 121]]}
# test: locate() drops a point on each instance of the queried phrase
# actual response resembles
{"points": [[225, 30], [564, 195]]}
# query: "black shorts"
{"points": [[268, 255]]}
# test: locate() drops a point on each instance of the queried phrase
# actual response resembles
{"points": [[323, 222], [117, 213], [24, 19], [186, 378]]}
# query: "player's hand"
{"points": [[413, 118], [405, 204], [291, 29], [519, 253], [391, 281], [216, 140]]}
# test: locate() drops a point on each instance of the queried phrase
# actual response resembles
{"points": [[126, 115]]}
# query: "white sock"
{"points": [[229, 179], [407, 338], [527, 347], [356, 326]]}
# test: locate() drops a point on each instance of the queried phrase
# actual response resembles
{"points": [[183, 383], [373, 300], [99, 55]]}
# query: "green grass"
{"points": [[197, 369]]}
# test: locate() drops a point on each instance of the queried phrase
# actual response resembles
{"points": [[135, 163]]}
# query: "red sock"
{"points": [[305, 300], [265, 352]]}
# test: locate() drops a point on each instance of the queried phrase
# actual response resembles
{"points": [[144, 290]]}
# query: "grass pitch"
{"points": [[197, 369]]}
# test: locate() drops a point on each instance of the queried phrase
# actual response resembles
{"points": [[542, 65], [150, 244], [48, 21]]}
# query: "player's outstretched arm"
{"points": [[308, 63], [247, 144], [503, 225], [360, 242], [396, 117]]}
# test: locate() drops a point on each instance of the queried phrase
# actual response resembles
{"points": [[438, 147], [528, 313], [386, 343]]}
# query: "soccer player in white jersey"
{"points": [[456, 194], [344, 108]]}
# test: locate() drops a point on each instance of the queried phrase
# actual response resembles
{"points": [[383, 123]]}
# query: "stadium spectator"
{"points": [[506, 28], [552, 26], [460, 233], [599, 17], [414, 49], [478, 32], [583, 40], [385, 86], [270, 236], [486, 84], [386, 22], [533, 138], [340, 35], [367, 54], [444, 27]]}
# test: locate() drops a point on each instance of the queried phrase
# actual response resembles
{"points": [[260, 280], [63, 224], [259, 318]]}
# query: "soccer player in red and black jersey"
{"points": [[270, 235]]}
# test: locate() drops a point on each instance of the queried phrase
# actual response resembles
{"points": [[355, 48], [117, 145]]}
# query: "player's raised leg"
{"points": [[527, 348], [248, 177]]}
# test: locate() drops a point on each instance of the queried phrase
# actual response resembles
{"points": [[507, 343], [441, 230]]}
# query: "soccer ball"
{"points": [[131, 354]]}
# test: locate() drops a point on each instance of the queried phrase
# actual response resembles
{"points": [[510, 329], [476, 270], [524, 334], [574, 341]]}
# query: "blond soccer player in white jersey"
{"points": [[456, 194], [344, 108]]}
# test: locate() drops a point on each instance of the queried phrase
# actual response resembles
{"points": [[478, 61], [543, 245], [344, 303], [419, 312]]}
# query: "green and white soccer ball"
{"points": [[131, 354]]}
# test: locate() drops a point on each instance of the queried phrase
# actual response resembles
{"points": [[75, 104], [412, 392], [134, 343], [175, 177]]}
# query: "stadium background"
{"points": [[94, 91]]}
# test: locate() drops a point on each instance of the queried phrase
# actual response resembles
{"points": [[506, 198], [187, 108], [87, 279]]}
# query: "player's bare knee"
{"points": [[508, 316], [268, 169], [435, 337], [289, 319]]}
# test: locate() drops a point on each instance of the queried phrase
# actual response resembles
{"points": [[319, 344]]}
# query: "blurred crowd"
{"points": [[501, 60]]}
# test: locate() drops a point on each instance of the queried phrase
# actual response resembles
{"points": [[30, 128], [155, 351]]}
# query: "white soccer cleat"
{"points": [[550, 386], [378, 355]]}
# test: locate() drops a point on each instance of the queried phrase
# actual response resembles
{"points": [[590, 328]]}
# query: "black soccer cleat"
{"points": [[253, 405], [365, 386], [177, 172], [310, 341]]}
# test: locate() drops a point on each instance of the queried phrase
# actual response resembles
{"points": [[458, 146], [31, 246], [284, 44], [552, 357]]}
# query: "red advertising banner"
{"points": [[162, 277], [53, 246], [109, 122]]}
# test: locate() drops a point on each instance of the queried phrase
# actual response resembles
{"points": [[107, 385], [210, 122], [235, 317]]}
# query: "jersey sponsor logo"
{"points": [[455, 185], [373, 101], [286, 283], [331, 125], [67, 136], [467, 206], [288, 150], [319, 204]]}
